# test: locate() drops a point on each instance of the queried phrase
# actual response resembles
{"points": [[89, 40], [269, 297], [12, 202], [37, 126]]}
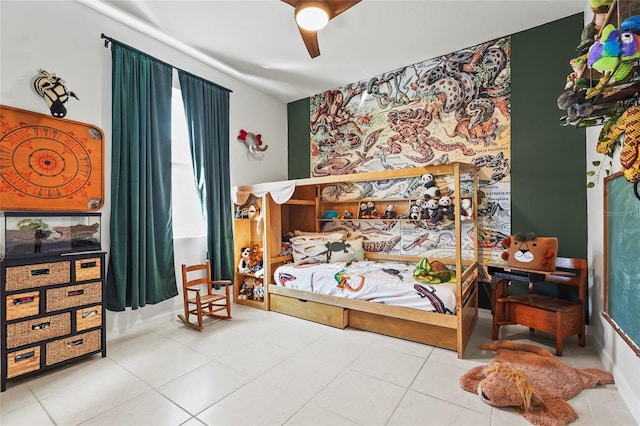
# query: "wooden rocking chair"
{"points": [[195, 279]]}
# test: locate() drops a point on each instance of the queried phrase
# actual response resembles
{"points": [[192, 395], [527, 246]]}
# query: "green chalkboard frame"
{"points": [[621, 266]]}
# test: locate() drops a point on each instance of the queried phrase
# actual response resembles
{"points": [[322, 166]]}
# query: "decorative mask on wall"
{"points": [[54, 92], [252, 141]]}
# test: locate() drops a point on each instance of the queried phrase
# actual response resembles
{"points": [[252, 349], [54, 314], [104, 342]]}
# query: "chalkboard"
{"points": [[622, 259]]}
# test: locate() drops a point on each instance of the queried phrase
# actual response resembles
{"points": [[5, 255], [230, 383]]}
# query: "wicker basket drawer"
{"points": [[334, 316], [88, 269], [73, 295], [74, 346], [23, 361], [90, 317], [22, 305], [37, 329], [36, 275]]}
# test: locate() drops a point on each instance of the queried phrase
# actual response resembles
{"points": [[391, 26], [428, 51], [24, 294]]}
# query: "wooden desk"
{"points": [[538, 312]]}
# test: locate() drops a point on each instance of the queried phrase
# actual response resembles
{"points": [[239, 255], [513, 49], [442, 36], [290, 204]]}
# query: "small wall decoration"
{"points": [[49, 164], [54, 92], [252, 141]]}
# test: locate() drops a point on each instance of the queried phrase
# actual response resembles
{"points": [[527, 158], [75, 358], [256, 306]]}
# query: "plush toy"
{"points": [[434, 212], [445, 204], [244, 266], [363, 213], [388, 212], [533, 381], [424, 210], [612, 57], [255, 259], [347, 215], [258, 291], [466, 208], [429, 183], [372, 213], [414, 211], [434, 272]]}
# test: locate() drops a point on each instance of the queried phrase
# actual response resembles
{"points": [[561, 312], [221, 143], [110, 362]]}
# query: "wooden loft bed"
{"points": [[303, 207]]}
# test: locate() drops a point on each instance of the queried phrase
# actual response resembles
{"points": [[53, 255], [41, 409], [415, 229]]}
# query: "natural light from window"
{"points": [[187, 213]]}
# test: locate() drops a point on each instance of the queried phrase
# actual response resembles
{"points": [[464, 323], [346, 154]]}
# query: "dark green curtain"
{"points": [[141, 260], [206, 108]]}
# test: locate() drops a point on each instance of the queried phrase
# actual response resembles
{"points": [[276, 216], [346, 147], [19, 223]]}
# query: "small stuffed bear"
{"points": [[434, 211], [388, 212], [424, 210], [429, 183], [467, 209], [446, 207], [414, 211]]}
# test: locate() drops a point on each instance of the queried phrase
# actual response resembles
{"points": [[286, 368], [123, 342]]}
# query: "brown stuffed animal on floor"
{"points": [[531, 379]]}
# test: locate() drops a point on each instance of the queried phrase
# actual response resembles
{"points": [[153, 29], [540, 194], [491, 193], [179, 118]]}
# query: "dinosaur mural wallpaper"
{"points": [[452, 108]]}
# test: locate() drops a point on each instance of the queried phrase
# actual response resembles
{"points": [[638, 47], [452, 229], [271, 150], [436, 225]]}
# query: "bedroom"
{"points": [[81, 60]]}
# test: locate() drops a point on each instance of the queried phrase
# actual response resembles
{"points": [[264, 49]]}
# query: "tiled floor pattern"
{"points": [[264, 368]]}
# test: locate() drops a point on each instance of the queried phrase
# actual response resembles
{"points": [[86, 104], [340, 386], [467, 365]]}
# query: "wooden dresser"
{"points": [[53, 312]]}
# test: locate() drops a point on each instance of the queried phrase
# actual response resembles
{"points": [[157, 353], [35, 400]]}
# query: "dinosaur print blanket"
{"points": [[387, 282]]}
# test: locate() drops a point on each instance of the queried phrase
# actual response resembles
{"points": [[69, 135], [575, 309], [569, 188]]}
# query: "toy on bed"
{"points": [[532, 380], [434, 272]]}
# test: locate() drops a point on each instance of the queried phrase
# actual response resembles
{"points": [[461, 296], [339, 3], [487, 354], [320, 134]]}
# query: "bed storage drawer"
{"points": [[334, 316]]}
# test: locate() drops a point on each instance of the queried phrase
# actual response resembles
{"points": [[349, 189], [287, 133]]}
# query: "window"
{"points": [[187, 213]]}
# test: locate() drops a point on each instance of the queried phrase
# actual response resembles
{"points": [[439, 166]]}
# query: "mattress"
{"points": [[387, 282]]}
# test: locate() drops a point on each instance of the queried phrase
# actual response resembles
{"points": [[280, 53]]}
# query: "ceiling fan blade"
{"points": [[339, 6], [293, 3], [310, 39]]}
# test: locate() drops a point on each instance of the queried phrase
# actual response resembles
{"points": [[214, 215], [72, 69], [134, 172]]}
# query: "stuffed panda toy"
{"points": [[244, 264], [414, 211], [434, 211], [446, 207], [429, 183]]}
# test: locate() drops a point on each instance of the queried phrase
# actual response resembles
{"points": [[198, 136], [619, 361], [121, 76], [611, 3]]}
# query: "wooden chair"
{"points": [[199, 296], [545, 313]]}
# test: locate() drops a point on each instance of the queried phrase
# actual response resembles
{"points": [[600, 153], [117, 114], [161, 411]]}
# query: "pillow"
{"points": [[312, 248], [298, 233], [346, 250]]}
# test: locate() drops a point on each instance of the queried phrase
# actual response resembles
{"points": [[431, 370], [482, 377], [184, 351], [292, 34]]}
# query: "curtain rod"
{"points": [[108, 40]]}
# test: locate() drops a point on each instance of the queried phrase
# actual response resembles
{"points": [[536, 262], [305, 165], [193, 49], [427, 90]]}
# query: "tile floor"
{"points": [[264, 368]]}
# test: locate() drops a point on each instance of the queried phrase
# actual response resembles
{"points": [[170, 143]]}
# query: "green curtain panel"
{"points": [[206, 108], [141, 260]]}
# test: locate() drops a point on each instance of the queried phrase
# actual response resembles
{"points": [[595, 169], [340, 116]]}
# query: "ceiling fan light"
{"points": [[312, 16]]}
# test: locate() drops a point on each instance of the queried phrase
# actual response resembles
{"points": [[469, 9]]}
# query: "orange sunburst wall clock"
{"points": [[49, 163]]}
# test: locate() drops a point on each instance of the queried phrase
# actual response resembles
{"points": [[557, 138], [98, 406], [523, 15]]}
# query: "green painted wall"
{"points": [[548, 180], [548, 175], [299, 155]]}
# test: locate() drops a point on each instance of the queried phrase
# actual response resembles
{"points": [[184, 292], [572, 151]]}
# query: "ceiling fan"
{"points": [[312, 15]]}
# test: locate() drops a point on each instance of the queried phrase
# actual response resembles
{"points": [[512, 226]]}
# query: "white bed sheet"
{"points": [[387, 282]]}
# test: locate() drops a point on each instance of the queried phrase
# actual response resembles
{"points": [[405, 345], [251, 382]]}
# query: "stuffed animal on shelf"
{"points": [[613, 57], [434, 212], [424, 210], [258, 291], [372, 213], [466, 208], [363, 212], [389, 212], [347, 215], [414, 211], [429, 183], [530, 379], [244, 265], [255, 259], [446, 207]]}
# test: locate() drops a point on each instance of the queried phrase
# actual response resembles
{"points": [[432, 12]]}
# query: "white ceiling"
{"points": [[257, 41]]}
